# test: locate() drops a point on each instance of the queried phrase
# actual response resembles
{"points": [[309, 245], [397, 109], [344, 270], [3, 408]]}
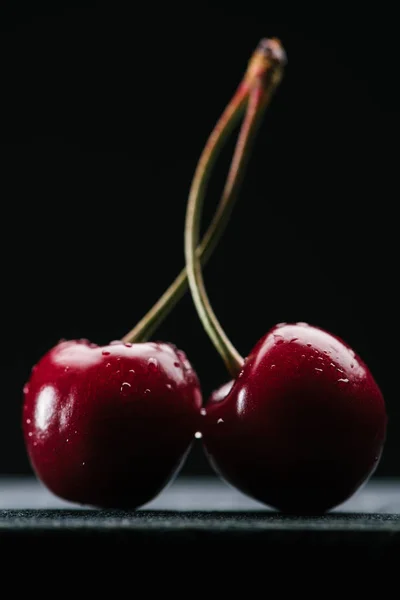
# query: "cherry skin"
{"points": [[302, 427], [110, 426]]}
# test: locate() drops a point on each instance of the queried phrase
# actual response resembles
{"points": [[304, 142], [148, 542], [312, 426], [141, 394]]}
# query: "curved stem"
{"points": [[225, 125], [265, 79], [143, 330]]}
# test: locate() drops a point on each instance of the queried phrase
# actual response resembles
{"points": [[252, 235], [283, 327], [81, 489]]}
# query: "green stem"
{"points": [[266, 77], [143, 330]]}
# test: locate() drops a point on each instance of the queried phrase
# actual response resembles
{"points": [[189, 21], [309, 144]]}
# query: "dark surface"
{"points": [[190, 505], [197, 520]]}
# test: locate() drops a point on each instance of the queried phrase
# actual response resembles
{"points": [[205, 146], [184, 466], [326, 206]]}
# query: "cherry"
{"points": [[302, 426], [110, 426]]}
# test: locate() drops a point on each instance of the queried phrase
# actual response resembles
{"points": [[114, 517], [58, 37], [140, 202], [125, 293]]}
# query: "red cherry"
{"points": [[303, 425], [110, 426]]}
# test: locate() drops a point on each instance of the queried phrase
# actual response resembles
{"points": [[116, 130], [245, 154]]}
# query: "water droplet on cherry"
{"points": [[203, 411], [152, 364], [220, 421], [30, 434], [343, 380], [147, 392], [28, 421], [198, 435], [128, 345], [273, 366], [176, 364], [106, 353], [125, 388], [319, 370], [168, 386], [25, 389]]}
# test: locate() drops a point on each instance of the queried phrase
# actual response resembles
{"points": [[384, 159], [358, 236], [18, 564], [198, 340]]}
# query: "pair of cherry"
{"points": [[300, 426]]}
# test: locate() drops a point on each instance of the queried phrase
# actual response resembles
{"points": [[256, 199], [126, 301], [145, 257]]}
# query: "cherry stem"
{"points": [[144, 329], [266, 68]]}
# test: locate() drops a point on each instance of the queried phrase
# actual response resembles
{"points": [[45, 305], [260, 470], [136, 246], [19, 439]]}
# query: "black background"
{"points": [[104, 113]]}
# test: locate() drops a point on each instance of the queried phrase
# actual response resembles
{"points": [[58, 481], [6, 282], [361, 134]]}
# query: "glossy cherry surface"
{"points": [[110, 426], [303, 425]]}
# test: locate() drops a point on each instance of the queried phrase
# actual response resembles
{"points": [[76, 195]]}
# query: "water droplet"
{"points": [[153, 364], [340, 370], [203, 411], [28, 421], [67, 440], [303, 356], [83, 464], [344, 380], [108, 365], [35, 443], [240, 374], [273, 366], [118, 359], [128, 344], [326, 351], [308, 345], [176, 364], [147, 392], [30, 434], [25, 389], [125, 388], [75, 431], [320, 370], [106, 353], [293, 340], [198, 435], [115, 343], [280, 341], [168, 386], [132, 371], [320, 358], [117, 371], [332, 364], [220, 421]]}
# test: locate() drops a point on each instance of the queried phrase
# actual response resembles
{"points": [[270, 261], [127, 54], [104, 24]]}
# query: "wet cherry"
{"points": [[110, 426], [302, 426]]}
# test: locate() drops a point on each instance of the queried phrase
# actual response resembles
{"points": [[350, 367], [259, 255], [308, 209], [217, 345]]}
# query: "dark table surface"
{"points": [[207, 511]]}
